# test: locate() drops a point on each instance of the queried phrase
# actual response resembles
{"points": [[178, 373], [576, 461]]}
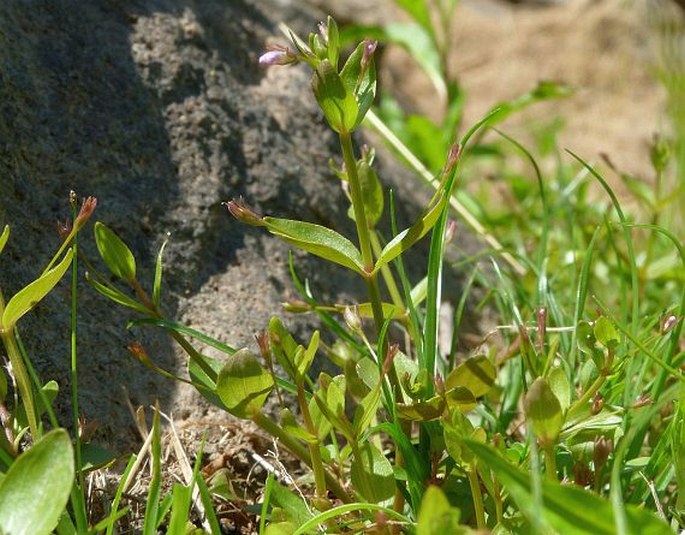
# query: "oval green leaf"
{"points": [[35, 490], [26, 298], [543, 410], [318, 240], [243, 385], [372, 475], [115, 253], [477, 374]]}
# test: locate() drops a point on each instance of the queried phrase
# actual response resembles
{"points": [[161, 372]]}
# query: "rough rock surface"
{"points": [[159, 109]]}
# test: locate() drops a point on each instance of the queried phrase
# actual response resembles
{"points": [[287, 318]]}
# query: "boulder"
{"points": [[159, 109]]}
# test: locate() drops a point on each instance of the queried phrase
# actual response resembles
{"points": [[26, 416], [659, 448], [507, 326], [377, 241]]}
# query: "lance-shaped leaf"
{"points": [[114, 252], [318, 240], [477, 374], [4, 237], [408, 237], [118, 297], [565, 509], [243, 384], [26, 298], [364, 89], [337, 102], [35, 490]]}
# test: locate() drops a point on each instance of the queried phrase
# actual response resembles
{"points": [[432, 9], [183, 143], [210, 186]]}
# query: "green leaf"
{"points": [[566, 509], [422, 411], [306, 357], [290, 502], [115, 295], [243, 385], [318, 240], [543, 410], [180, 508], [558, 382], [372, 194], [408, 237], [4, 237], [606, 333], [366, 410], [436, 515], [35, 489], [157, 285], [284, 347], [418, 9], [26, 298], [476, 374], [337, 102], [115, 253], [417, 41], [364, 89], [291, 426], [372, 474]]}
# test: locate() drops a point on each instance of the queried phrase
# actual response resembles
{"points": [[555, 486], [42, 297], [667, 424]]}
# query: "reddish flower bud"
{"points": [[603, 447], [369, 49], [243, 213], [87, 209]]}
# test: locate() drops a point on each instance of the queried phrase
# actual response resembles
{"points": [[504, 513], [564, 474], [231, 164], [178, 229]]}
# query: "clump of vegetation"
{"points": [[571, 425]]}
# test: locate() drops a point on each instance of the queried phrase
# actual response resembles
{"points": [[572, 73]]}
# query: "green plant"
{"points": [[398, 441]]}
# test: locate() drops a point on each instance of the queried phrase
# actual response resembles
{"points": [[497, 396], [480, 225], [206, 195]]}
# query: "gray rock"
{"points": [[158, 108]]}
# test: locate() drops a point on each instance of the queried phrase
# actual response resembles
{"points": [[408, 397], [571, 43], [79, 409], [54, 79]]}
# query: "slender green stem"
{"points": [[363, 233], [74, 362], [550, 461], [477, 497], [389, 280], [593, 389], [299, 451], [314, 452]]}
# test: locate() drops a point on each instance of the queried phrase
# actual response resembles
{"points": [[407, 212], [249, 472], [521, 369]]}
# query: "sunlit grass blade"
{"points": [[566, 509], [152, 506]]}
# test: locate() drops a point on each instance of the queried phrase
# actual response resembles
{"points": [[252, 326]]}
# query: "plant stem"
{"points": [[363, 233], [314, 452], [273, 429], [550, 461], [477, 497]]}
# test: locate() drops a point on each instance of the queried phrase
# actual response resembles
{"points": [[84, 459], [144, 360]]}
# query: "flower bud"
{"points": [[277, 55], [87, 209], [354, 322], [603, 447], [668, 323], [367, 56], [243, 213]]}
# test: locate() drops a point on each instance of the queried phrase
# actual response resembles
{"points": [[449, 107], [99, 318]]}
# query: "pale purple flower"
{"points": [[277, 55]]}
